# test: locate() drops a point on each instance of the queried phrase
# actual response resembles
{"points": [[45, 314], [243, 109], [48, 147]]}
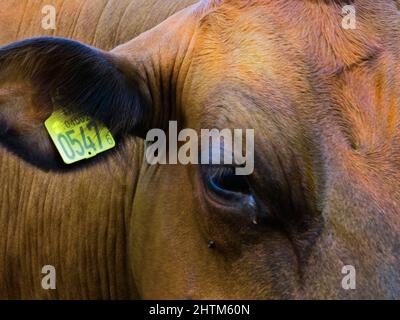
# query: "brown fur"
{"points": [[324, 103], [45, 218]]}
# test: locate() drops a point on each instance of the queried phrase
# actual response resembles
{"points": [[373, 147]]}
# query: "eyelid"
{"points": [[220, 173], [211, 181]]}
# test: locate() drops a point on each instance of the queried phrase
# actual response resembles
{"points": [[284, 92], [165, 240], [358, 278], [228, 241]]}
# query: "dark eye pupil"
{"points": [[229, 181]]}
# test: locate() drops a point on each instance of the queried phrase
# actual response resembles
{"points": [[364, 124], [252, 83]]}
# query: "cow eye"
{"points": [[224, 182]]}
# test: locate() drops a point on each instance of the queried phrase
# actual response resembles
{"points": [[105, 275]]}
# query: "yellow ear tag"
{"points": [[78, 138]]}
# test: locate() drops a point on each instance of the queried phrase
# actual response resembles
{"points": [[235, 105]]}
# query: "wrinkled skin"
{"points": [[324, 103], [100, 23], [45, 217]]}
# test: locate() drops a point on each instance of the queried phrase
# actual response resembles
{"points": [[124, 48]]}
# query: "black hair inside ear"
{"points": [[81, 79], [74, 77]]}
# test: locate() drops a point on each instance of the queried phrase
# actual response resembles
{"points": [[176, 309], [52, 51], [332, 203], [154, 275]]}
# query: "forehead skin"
{"points": [[290, 71], [264, 48]]}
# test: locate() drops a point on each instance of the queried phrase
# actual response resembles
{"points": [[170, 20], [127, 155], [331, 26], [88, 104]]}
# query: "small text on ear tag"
{"points": [[78, 138]]}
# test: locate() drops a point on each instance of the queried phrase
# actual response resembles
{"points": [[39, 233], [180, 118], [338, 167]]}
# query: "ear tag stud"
{"points": [[78, 138]]}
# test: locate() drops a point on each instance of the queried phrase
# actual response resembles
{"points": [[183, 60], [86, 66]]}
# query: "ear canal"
{"points": [[40, 75]]}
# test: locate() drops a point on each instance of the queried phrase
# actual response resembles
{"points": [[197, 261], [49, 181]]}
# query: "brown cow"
{"points": [[324, 102]]}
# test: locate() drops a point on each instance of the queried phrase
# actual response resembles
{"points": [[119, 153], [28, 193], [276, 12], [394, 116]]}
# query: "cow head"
{"points": [[324, 104]]}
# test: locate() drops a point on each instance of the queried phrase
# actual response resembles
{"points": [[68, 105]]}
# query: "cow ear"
{"points": [[40, 75]]}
